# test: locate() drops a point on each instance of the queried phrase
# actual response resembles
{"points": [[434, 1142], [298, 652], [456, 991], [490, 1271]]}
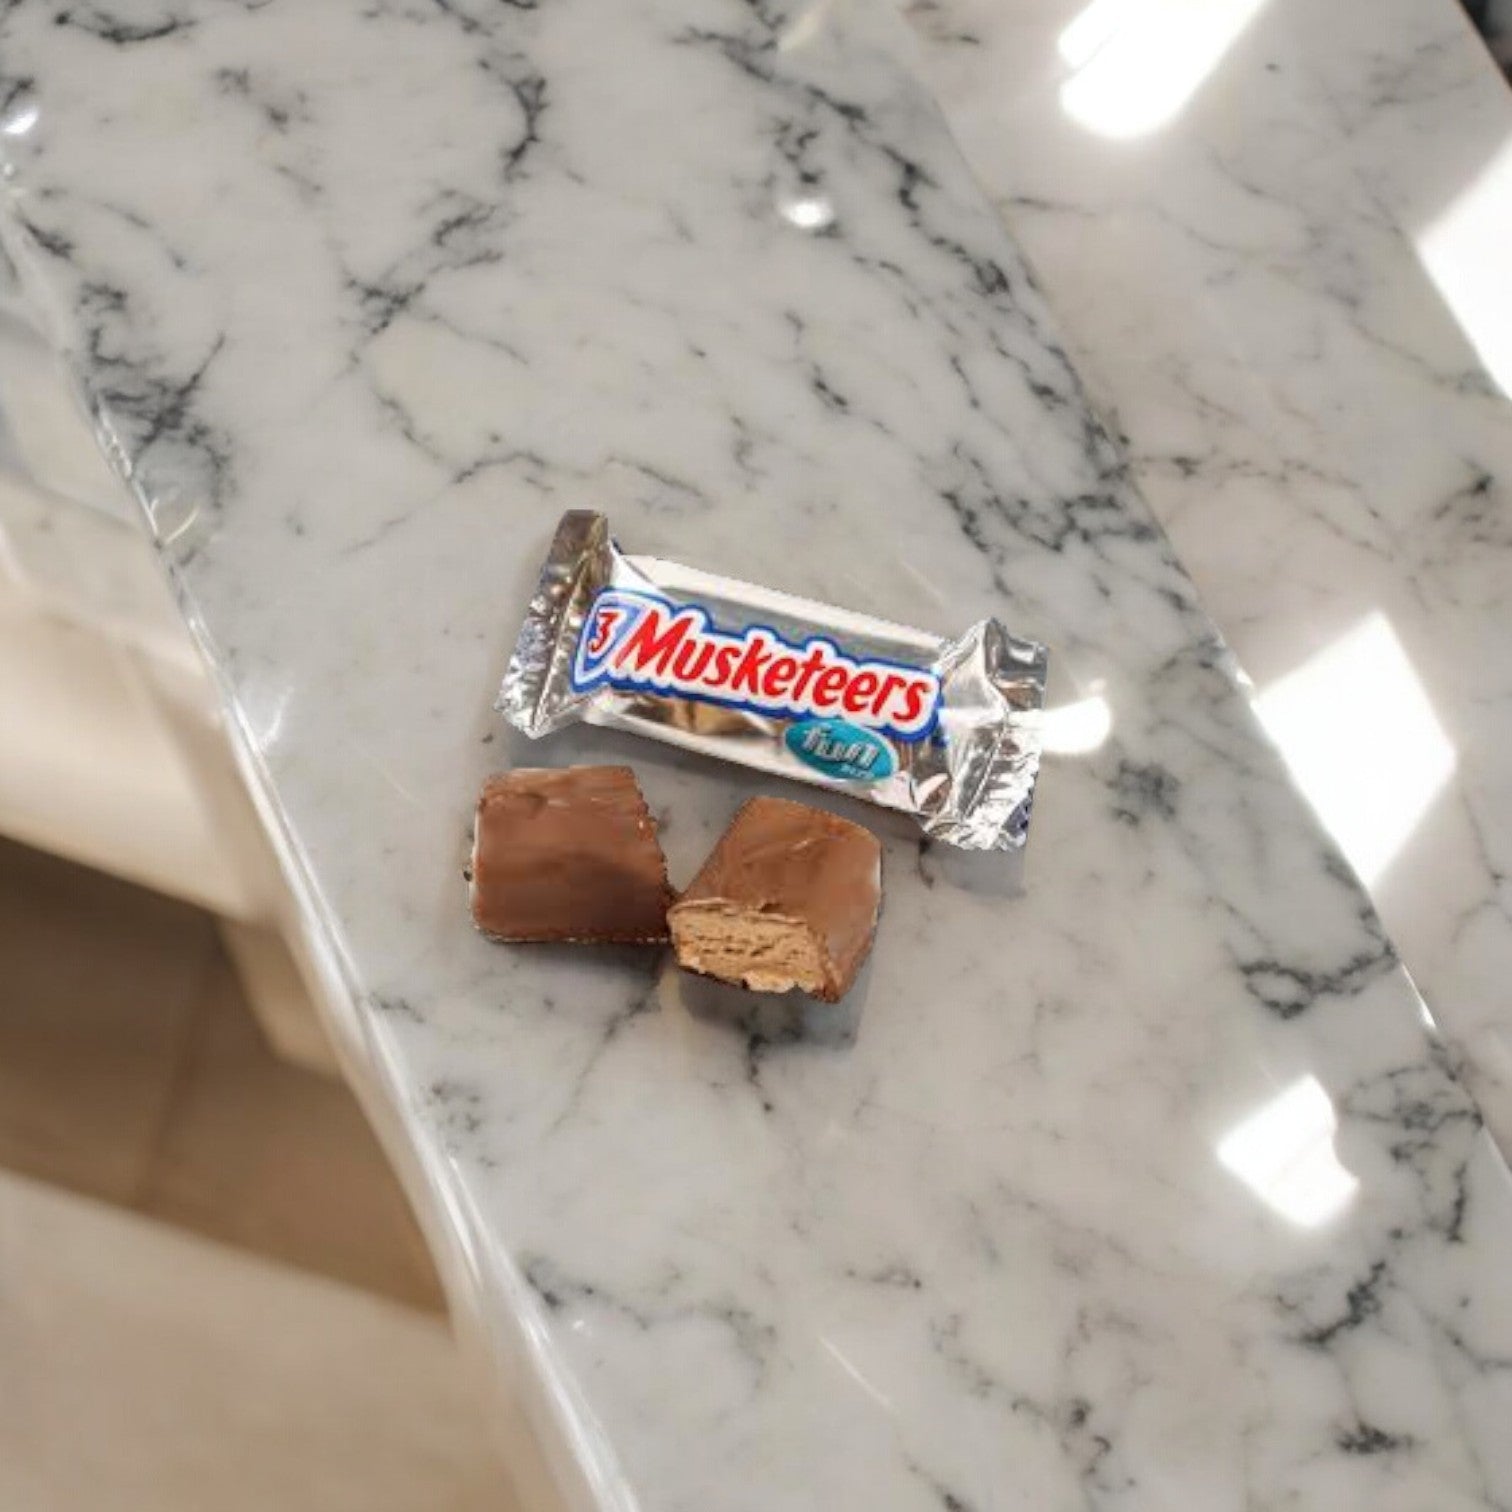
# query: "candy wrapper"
{"points": [[945, 730]]}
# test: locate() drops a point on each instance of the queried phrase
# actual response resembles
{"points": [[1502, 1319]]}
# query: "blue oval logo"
{"points": [[840, 749]]}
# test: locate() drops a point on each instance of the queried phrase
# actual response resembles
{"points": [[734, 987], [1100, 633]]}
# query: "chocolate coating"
{"points": [[568, 854], [789, 898]]}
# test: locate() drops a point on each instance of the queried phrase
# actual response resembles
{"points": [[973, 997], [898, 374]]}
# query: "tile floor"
{"points": [[212, 1293], [147, 1370], [131, 1071]]}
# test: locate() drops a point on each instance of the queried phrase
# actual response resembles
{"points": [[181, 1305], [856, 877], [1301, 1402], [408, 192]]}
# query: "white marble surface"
{"points": [[1282, 264], [1140, 1187]]}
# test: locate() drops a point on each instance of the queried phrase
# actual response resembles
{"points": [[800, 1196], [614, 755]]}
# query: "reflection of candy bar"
{"points": [[789, 898], [946, 730], [711, 719], [568, 855]]}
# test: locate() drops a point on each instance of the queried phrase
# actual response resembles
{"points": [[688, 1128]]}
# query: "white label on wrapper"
{"points": [[637, 640]]}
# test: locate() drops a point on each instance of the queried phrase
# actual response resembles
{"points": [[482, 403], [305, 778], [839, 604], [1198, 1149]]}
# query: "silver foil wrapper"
{"points": [[946, 730]]}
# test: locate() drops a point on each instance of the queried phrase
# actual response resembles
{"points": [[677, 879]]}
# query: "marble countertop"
{"points": [[1279, 262], [1140, 1185]]}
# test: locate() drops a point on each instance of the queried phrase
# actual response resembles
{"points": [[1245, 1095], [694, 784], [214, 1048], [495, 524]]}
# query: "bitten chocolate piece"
{"points": [[789, 898], [568, 854]]}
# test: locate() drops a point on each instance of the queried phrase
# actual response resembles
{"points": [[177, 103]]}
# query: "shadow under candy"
{"points": [[989, 874], [787, 1018]]}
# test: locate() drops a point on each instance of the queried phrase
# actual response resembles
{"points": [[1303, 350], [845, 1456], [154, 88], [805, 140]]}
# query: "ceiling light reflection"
{"points": [[1285, 1155], [807, 26], [1138, 62], [811, 212], [880, 1398], [1362, 742], [22, 121], [264, 718], [1090, 30], [1074, 729], [1464, 249]]}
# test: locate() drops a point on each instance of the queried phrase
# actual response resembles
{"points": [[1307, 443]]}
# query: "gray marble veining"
{"points": [[1274, 285], [1139, 1185]]}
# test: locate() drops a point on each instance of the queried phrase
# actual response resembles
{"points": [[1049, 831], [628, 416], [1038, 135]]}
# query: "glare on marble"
{"points": [[178, 531], [1138, 62], [1463, 249], [1091, 29], [809, 212], [1076, 729], [22, 121], [1362, 741], [1285, 1155], [880, 1398], [805, 28], [264, 720]]}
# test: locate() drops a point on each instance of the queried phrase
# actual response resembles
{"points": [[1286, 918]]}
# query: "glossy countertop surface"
{"points": [[1279, 255], [1132, 1181]]}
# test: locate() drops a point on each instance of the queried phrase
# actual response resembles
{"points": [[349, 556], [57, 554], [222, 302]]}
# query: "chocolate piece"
{"points": [[568, 854], [789, 898]]}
